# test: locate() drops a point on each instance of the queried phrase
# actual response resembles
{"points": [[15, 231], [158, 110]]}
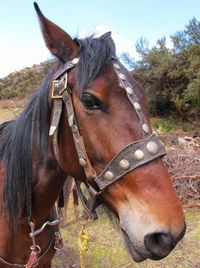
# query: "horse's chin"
{"points": [[136, 256]]}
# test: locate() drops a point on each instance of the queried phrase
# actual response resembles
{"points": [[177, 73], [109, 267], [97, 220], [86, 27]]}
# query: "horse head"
{"points": [[105, 139]]}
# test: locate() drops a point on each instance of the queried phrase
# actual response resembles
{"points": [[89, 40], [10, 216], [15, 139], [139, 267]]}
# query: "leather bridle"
{"points": [[129, 158]]}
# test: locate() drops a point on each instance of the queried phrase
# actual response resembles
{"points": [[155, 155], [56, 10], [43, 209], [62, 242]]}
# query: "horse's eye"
{"points": [[90, 102]]}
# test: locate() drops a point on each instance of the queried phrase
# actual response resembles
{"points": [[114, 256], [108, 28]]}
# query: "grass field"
{"points": [[106, 248]]}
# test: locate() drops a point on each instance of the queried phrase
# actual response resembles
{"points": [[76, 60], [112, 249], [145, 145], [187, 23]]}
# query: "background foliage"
{"points": [[171, 76], [23, 83]]}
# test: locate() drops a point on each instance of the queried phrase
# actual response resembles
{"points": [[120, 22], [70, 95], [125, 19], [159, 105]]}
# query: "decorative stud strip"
{"points": [[129, 158], [124, 83]]}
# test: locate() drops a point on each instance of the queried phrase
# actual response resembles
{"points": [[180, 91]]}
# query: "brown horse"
{"points": [[89, 120]]}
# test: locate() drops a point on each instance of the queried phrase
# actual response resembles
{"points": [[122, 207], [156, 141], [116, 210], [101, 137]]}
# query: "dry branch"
{"points": [[184, 166]]}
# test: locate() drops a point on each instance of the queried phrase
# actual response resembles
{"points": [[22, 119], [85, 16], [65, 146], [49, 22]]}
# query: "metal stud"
{"points": [[108, 176], [116, 66], [129, 90], [122, 76], [139, 154], [145, 128], [82, 162], [137, 106], [75, 60], [124, 164], [71, 120], [152, 147], [74, 128]]}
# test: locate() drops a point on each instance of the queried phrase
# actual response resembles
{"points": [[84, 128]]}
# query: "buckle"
{"points": [[58, 245], [59, 86]]}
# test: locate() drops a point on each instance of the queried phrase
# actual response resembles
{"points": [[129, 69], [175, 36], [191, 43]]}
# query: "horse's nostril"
{"points": [[159, 244]]}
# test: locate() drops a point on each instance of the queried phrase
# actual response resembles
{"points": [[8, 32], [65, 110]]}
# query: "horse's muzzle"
{"points": [[160, 244], [156, 245]]}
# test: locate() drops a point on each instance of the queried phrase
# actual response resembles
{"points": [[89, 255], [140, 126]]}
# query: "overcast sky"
{"points": [[21, 43]]}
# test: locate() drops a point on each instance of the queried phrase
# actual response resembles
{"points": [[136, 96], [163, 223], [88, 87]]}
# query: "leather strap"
{"points": [[32, 259], [78, 139], [53, 132], [128, 154], [89, 203]]}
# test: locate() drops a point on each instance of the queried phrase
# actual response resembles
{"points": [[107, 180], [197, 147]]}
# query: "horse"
{"points": [[89, 120]]}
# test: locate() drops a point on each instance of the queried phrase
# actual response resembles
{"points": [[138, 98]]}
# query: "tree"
{"points": [[127, 60], [172, 76]]}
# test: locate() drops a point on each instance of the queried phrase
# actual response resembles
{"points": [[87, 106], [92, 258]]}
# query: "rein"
{"points": [[129, 158]]}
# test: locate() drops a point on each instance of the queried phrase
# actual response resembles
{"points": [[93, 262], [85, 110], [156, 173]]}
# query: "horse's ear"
{"points": [[57, 40]]}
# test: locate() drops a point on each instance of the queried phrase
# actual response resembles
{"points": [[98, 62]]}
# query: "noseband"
{"points": [[133, 155]]}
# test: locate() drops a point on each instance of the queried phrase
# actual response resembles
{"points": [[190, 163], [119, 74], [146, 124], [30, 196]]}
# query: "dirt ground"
{"points": [[66, 258]]}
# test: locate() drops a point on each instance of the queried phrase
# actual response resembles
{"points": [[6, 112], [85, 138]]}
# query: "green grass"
{"points": [[171, 124], [106, 248]]}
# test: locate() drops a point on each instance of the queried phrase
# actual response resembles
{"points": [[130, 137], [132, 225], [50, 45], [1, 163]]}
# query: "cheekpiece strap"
{"points": [[65, 67]]}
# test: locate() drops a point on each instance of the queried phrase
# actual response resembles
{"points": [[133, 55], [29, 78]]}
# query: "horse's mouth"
{"points": [[138, 256]]}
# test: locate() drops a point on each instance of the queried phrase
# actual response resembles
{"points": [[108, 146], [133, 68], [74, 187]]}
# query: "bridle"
{"points": [[129, 158]]}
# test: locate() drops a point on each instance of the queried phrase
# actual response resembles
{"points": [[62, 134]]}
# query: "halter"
{"points": [[133, 155]]}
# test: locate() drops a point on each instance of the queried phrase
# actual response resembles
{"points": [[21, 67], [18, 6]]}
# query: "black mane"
{"points": [[16, 151], [95, 55]]}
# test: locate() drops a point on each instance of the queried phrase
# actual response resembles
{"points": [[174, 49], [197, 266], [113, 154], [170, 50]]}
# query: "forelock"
{"points": [[95, 55]]}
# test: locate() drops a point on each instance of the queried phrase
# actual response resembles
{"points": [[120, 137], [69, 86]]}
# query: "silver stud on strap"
{"points": [[145, 128], [122, 76], [116, 66], [71, 120], [82, 162], [74, 128], [152, 147], [124, 164], [108, 176], [129, 90], [75, 60], [137, 106], [139, 154]]}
